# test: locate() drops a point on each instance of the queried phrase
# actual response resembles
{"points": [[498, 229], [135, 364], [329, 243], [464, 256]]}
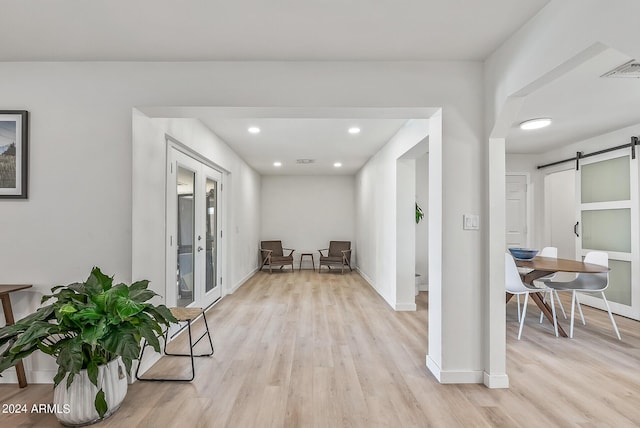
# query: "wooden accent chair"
{"points": [[271, 254], [338, 253]]}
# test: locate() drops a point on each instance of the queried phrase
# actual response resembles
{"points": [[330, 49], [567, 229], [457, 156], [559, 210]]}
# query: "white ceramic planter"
{"points": [[75, 406]]}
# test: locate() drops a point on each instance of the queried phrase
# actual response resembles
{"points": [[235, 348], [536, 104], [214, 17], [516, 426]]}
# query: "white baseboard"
{"points": [[242, 281], [37, 376], [496, 381], [405, 307], [454, 376], [371, 283], [423, 287]]}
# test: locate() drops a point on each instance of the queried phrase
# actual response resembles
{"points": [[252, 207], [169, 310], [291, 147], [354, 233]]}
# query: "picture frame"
{"points": [[14, 153]]}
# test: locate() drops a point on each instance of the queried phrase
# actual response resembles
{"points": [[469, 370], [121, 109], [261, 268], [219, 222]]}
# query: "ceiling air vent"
{"points": [[305, 161], [629, 69]]}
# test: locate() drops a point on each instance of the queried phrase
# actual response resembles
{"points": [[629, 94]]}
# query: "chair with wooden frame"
{"points": [[272, 254], [338, 253]]}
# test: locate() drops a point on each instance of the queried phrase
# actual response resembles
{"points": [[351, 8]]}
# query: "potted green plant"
{"points": [[419, 213], [93, 329]]}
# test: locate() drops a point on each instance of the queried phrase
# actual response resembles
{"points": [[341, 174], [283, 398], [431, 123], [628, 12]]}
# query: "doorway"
{"points": [[516, 211], [194, 274]]}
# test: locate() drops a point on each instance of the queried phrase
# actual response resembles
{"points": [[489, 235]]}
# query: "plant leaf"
{"points": [[59, 376], [161, 314], [92, 372], [67, 309], [102, 279], [141, 296], [92, 334], [32, 336], [139, 285], [148, 333], [101, 404], [70, 357], [126, 308]]}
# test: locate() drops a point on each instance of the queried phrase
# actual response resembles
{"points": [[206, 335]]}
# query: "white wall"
{"points": [[81, 160], [376, 196], [306, 212], [422, 228]]}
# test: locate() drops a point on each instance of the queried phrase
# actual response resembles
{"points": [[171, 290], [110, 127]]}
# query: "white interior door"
{"points": [[560, 212], [607, 212], [516, 211], [194, 233]]}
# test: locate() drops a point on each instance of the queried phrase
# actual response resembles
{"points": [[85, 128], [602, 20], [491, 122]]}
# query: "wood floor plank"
{"points": [[324, 350]]}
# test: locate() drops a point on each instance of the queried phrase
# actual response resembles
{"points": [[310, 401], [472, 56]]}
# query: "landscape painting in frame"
{"points": [[13, 154]]}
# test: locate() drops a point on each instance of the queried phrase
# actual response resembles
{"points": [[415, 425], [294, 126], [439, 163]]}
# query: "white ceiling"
{"points": [[581, 103], [326, 141], [292, 30]]}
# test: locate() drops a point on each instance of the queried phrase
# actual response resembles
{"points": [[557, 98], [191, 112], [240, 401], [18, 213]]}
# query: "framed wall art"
{"points": [[14, 159]]}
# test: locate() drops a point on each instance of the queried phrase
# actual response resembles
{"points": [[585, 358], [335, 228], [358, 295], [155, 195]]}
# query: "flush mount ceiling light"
{"points": [[253, 130], [538, 123], [277, 164], [337, 164], [354, 130]]}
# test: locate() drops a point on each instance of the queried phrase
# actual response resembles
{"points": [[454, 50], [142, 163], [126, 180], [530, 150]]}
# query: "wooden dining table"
{"points": [[543, 266]]}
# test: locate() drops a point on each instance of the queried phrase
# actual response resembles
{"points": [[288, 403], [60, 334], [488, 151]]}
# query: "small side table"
{"points": [[312, 262], [8, 316]]}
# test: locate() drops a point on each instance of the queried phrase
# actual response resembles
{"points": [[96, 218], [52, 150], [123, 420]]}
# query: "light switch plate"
{"points": [[471, 222]]}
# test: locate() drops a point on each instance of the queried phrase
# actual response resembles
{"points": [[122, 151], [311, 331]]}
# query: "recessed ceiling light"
{"points": [[535, 123], [354, 130], [277, 164], [337, 164], [254, 130]]}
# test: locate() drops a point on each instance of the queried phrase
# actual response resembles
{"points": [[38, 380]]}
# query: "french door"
{"points": [[607, 220], [194, 274]]}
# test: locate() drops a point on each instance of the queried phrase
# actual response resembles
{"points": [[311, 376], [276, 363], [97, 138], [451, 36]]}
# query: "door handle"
{"points": [[200, 249], [575, 229]]}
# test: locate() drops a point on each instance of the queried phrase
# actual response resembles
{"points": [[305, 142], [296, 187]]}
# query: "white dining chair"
{"points": [[514, 285], [588, 283], [551, 252]]}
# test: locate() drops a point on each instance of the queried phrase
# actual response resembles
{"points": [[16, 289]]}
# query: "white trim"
{"points": [[610, 205], [370, 282], [36, 376], [242, 281], [405, 307], [454, 376], [496, 381]]}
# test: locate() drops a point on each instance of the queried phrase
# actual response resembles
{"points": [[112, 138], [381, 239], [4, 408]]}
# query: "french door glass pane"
{"points": [[186, 231], [619, 289], [607, 230], [606, 181], [212, 230]]}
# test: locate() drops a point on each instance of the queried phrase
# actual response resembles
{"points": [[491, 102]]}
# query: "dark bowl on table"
{"points": [[523, 253]]}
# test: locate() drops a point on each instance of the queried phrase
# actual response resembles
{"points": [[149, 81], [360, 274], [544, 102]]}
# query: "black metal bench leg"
{"points": [[190, 354]]}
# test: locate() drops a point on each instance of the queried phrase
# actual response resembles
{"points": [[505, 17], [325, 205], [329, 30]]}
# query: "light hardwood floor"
{"points": [[309, 350]]}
